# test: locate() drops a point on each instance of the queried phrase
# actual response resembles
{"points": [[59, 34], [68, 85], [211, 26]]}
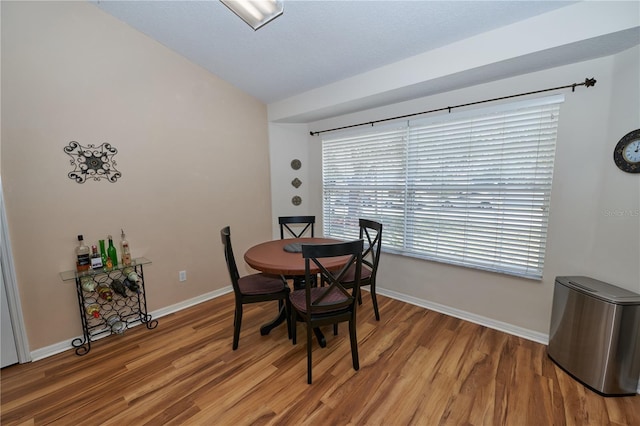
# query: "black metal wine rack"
{"points": [[131, 309]]}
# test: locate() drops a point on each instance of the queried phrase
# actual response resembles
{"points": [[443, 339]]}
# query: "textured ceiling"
{"points": [[314, 43]]}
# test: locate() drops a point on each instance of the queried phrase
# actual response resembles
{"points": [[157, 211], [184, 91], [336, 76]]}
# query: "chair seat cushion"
{"points": [[350, 276], [260, 284], [298, 301]]}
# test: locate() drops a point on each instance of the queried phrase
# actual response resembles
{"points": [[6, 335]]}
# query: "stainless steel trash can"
{"points": [[595, 334]]}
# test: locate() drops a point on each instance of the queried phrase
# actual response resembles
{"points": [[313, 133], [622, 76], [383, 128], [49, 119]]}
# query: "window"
{"points": [[469, 188]]}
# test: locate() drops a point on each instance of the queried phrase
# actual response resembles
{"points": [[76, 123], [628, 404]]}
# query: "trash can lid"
{"points": [[601, 290]]}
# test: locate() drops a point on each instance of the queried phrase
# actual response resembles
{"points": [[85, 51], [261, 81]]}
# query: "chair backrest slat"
{"points": [[371, 232], [333, 296], [225, 236], [294, 231]]}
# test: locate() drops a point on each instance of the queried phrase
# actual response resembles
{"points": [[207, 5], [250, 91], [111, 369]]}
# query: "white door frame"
{"points": [[11, 286]]}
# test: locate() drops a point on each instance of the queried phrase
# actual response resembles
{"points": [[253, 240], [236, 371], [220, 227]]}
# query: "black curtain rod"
{"points": [[588, 82]]}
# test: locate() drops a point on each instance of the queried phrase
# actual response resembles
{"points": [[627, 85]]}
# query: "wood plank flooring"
{"points": [[417, 367]]}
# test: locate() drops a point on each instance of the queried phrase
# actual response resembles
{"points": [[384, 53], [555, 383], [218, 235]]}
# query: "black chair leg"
{"points": [[287, 312], [293, 323], [237, 322], [309, 341], [354, 345], [375, 303]]}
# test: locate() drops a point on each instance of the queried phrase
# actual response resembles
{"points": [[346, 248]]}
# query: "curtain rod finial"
{"points": [[588, 82]]}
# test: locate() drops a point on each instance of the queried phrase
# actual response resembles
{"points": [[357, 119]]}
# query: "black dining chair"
{"points": [[252, 288], [296, 227], [332, 303], [371, 233]]}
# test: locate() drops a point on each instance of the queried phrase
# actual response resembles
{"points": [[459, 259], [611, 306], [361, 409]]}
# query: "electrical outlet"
{"points": [[182, 275]]}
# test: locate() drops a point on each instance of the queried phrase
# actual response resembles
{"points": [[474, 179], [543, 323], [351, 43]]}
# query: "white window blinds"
{"points": [[469, 189]]}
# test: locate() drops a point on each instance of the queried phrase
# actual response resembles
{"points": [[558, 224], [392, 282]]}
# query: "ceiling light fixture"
{"points": [[256, 13]]}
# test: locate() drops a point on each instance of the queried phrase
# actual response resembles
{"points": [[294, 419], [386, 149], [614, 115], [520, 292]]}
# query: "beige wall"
{"points": [[291, 145], [584, 239], [192, 149]]}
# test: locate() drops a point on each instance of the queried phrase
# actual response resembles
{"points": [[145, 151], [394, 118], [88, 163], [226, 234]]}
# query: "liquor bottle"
{"points": [[103, 255], [91, 307], [119, 288], [96, 260], [124, 248], [111, 252], [105, 292], [83, 255]]}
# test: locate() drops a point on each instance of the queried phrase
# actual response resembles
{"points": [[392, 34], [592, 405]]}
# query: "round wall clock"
{"points": [[626, 155]]}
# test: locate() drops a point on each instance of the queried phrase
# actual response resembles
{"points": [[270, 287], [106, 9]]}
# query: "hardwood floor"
{"points": [[417, 367]]}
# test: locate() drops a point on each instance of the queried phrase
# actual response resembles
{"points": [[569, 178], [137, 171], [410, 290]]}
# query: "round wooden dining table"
{"points": [[271, 258]]}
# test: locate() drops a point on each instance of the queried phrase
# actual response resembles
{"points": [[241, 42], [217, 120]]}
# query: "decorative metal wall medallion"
{"points": [[296, 183], [92, 162], [296, 200], [296, 164]]}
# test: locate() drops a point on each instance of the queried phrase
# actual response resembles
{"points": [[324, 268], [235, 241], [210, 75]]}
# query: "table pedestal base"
{"points": [[265, 329], [282, 316]]}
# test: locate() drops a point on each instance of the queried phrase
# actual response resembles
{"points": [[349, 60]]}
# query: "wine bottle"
{"points": [[105, 292], [131, 274], [132, 285], [124, 248], [111, 252], [87, 283], [91, 307], [83, 255], [116, 324], [103, 255], [119, 288], [96, 260]]}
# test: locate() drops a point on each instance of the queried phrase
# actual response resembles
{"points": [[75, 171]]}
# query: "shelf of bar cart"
{"points": [[130, 308]]}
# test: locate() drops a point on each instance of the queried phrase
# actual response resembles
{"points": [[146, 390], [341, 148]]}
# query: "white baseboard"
{"points": [[191, 302], [467, 316], [56, 348]]}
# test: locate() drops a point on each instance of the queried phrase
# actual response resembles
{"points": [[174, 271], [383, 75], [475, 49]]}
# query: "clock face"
{"points": [[632, 152], [626, 155]]}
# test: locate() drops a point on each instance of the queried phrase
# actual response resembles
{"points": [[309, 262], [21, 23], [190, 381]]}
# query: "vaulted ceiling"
{"points": [[317, 43]]}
